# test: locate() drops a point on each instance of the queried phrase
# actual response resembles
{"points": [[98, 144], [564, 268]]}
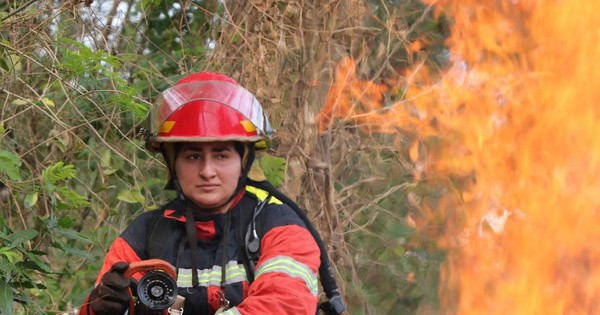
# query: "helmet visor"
{"points": [[225, 93]]}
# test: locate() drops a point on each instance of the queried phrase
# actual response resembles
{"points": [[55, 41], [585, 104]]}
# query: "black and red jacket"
{"points": [[286, 272]]}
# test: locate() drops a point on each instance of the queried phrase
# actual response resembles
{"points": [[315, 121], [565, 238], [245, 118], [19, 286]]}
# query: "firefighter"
{"points": [[208, 128]]}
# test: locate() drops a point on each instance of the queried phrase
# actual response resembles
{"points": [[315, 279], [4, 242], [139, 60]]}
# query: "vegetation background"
{"points": [[77, 79]]}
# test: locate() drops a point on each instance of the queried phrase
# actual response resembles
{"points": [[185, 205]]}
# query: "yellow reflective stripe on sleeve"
{"points": [[231, 311], [292, 268], [262, 194], [207, 277]]}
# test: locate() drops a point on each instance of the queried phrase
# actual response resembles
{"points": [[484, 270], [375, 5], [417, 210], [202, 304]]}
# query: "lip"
{"points": [[207, 186]]}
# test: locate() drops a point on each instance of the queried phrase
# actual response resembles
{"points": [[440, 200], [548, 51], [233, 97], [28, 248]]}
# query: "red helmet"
{"points": [[204, 107]]}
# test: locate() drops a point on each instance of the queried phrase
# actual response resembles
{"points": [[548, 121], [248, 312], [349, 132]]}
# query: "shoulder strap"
{"points": [[159, 234], [244, 220]]}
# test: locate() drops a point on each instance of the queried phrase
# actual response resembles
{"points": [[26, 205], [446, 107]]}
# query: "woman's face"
{"points": [[208, 173]]}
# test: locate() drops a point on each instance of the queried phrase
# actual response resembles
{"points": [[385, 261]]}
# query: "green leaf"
{"points": [[105, 163], [72, 250], [65, 222], [73, 235], [105, 159], [76, 251], [31, 199], [71, 198], [6, 299], [21, 237], [9, 165], [48, 102], [58, 172], [20, 102], [34, 262], [6, 265], [148, 3], [131, 196], [11, 255], [15, 61], [60, 143], [3, 235], [108, 171], [274, 169]]}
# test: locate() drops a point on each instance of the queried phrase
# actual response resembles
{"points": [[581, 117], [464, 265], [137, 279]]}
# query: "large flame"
{"points": [[519, 109]]}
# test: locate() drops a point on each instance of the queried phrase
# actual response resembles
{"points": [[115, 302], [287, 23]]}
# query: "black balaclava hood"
{"points": [[247, 154]]}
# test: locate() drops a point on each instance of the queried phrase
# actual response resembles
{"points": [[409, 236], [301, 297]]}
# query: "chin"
{"points": [[207, 205]]}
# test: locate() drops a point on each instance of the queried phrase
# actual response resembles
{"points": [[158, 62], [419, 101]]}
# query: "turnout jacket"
{"points": [[285, 275]]}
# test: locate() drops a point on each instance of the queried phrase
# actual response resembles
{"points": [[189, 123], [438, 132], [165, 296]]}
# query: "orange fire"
{"points": [[360, 102], [518, 109]]}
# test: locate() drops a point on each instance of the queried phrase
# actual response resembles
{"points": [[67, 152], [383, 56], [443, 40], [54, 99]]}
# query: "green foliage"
{"points": [[58, 172], [148, 3], [61, 195], [133, 195], [81, 62], [19, 264], [9, 165], [274, 169], [6, 297], [398, 265]]}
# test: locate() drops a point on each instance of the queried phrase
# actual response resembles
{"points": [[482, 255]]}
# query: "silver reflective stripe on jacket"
{"points": [[292, 268], [231, 311], [206, 277]]}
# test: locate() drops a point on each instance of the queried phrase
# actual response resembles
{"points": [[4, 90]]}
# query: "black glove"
{"points": [[111, 296]]}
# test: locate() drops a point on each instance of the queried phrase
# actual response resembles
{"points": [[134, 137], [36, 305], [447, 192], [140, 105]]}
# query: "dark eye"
{"points": [[193, 156]]}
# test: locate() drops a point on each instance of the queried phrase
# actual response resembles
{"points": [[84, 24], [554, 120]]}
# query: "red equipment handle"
{"points": [[149, 265]]}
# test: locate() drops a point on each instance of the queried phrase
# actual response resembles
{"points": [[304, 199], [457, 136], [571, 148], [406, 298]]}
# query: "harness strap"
{"points": [[225, 249], [242, 222], [190, 229], [162, 229]]}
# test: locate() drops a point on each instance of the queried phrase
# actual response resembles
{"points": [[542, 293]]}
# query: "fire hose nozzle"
{"points": [[156, 290]]}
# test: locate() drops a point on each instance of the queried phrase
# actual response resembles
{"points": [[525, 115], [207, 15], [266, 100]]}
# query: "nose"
{"points": [[207, 168]]}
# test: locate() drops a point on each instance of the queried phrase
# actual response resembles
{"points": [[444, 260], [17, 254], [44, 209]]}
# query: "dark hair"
{"points": [[239, 147]]}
